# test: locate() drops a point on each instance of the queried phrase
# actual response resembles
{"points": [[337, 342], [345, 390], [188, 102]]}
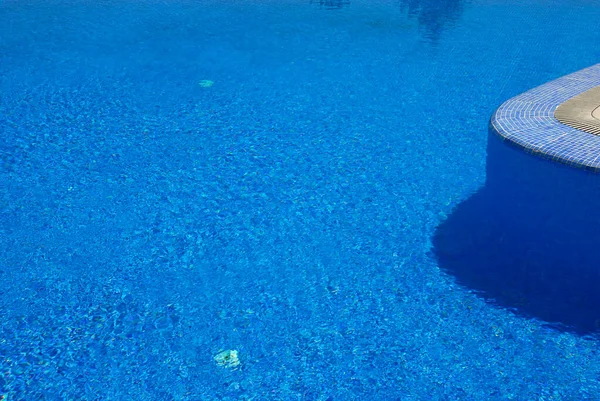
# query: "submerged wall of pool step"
{"points": [[528, 240]]}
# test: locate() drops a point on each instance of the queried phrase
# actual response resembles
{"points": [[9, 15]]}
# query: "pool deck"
{"points": [[531, 120], [582, 111]]}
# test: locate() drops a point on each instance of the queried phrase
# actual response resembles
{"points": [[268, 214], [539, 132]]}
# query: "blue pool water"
{"points": [[182, 178]]}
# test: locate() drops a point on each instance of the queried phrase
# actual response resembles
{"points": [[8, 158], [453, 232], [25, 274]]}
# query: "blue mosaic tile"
{"points": [[528, 121]]}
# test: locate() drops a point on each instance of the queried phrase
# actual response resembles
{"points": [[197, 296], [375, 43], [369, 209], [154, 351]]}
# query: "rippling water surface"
{"points": [[204, 200]]}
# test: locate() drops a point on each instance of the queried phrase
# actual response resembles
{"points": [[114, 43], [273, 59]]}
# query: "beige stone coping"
{"points": [[582, 111]]}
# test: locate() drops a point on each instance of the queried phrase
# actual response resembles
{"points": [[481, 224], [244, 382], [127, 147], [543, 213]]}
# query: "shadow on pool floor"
{"points": [[529, 240]]}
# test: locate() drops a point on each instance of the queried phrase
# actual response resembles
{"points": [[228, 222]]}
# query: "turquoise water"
{"points": [[185, 178]]}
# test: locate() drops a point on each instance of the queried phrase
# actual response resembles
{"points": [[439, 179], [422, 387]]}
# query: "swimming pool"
{"points": [[204, 200]]}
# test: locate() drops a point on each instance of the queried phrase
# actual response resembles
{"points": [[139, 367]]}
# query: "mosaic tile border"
{"points": [[528, 121]]}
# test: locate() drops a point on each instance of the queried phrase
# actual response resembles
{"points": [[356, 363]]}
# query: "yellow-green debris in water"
{"points": [[206, 83], [227, 359]]}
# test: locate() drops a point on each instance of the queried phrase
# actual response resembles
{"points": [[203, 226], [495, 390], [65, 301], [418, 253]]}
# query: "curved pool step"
{"points": [[556, 120]]}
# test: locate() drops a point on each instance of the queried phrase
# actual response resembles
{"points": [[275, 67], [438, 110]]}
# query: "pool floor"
{"points": [[236, 201]]}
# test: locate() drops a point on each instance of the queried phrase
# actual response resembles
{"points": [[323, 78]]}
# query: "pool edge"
{"points": [[527, 121]]}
